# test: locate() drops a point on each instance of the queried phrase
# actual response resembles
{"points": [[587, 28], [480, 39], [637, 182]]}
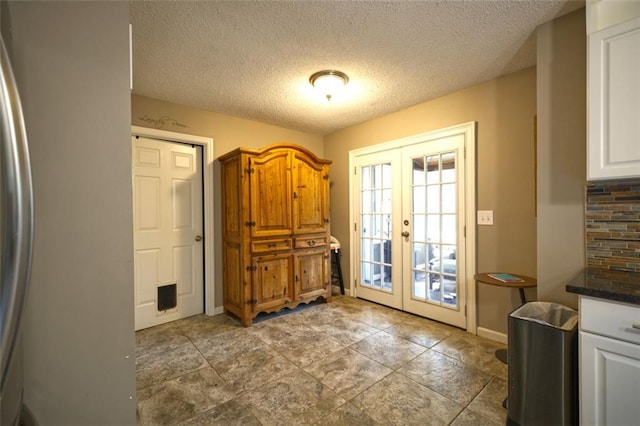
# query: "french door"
{"points": [[410, 219]]}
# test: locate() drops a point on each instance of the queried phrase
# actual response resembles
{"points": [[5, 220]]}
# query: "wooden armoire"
{"points": [[275, 229]]}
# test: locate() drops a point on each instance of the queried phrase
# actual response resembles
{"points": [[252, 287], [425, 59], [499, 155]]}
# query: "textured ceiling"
{"points": [[253, 59]]}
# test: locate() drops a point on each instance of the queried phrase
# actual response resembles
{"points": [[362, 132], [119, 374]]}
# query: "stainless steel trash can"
{"points": [[543, 365]]}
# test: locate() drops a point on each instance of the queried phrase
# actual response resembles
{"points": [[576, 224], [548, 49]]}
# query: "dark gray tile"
{"points": [[220, 347], [231, 413], [311, 347], [488, 403], [346, 415], [182, 398], [469, 418], [160, 338], [347, 372], [387, 349], [253, 369], [294, 399], [447, 376], [345, 330], [422, 331], [277, 330], [199, 326], [397, 400], [473, 350], [156, 367]]}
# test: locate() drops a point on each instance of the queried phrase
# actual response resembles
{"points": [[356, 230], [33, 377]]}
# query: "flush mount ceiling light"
{"points": [[329, 81]]}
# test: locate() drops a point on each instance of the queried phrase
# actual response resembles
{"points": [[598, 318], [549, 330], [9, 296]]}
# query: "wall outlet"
{"points": [[485, 217]]}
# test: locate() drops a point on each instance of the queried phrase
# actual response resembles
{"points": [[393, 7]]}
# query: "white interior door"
{"points": [[168, 229], [410, 243]]}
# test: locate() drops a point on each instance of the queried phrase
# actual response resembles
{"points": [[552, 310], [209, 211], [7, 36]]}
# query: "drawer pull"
{"points": [[312, 243], [635, 326]]}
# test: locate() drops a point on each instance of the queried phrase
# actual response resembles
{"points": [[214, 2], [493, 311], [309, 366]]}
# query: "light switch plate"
{"points": [[485, 217]]}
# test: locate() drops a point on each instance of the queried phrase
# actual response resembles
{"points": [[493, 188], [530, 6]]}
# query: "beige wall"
{"points": [[71, 61], [504, 110], [227, 133], [561, 154]]}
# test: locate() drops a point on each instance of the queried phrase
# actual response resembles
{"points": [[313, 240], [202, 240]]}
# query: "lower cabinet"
{"points": [[609, 363], [312, 274], [272, 281], [287, 278]]}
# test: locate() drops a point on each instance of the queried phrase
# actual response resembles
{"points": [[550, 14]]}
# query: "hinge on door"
{"points": [[355, 227], [355, 170], [325, 220], [252, 302], [250, 224], [465, 310], [464, 231], [249, 170], [325, 177], [252, 268]]}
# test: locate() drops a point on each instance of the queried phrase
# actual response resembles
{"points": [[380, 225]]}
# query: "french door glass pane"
{"points": [[434, 236], [375, 226]]}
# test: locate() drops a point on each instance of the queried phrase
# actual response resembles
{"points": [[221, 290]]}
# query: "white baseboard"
{"points": [[492, 335]]}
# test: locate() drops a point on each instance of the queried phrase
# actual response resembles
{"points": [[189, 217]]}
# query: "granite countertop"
{"points": [[608, 284]]}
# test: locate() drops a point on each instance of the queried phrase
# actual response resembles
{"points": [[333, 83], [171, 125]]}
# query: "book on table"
{"points": [[506, 278]]}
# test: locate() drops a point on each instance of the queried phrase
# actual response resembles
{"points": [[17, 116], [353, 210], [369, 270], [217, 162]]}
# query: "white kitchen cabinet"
{"points": [[609, 363], [613, 93]]}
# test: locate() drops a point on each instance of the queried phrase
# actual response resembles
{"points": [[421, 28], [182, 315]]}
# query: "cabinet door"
{"points": [[272, 278], [609, 381], [270, 194], [614, 102], [312, 273], [310, 195]]}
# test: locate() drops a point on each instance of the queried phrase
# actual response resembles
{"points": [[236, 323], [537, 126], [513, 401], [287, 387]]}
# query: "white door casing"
{"points": [[458, 141], [208, 158]]}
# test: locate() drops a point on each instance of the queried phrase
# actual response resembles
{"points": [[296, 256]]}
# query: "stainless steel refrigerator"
{"points": [[16, 239]]}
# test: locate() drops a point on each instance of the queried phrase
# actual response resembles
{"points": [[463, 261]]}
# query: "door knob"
{"points": [[198, 238], [405, 234]]}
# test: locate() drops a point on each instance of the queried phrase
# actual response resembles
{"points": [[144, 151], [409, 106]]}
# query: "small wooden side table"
{"points": [[528, 282]]}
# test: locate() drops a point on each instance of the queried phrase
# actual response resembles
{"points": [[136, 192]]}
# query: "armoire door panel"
{"points": [[270, 194], [273, 273], [311, 273], [310, 201]]}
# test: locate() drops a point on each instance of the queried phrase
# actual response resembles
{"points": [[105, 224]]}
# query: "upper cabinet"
{"points": [[613, 91]]}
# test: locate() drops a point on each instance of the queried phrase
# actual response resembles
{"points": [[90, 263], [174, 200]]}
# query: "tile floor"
{"points": [[349, 362]]}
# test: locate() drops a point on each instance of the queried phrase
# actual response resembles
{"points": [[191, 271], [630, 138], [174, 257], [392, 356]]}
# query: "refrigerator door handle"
{"points": [[17, 215]]}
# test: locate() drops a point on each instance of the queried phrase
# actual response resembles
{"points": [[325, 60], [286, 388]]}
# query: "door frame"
{"points": [[468, 130], [207, 189]]}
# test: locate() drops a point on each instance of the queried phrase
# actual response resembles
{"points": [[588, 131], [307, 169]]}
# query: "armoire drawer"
{"points": [[265, 246], [311, 241]]}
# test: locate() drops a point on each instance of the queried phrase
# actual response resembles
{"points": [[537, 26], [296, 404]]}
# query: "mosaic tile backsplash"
{"points": [[612, 222]]}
